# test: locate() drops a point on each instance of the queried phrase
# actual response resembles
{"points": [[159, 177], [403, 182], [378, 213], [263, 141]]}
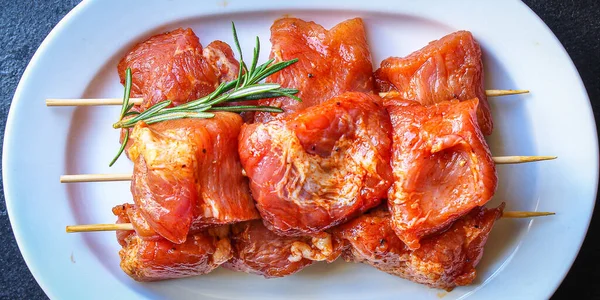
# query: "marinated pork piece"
{"points": [[446, 69], [174, 66], [221, 58], [187, 174], [330, 63], [158, 259], [129, 213], [258, 250], [442, 166], [319, 167], [445, 260]]}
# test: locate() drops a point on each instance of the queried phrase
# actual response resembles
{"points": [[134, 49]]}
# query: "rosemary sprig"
{"points": [[245, 88]]}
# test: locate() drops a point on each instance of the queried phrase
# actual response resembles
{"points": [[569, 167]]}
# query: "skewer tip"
{"points": [[98, 227], [526, 214], [521, 159], [495, 93], [489, 93], [94, 178]]}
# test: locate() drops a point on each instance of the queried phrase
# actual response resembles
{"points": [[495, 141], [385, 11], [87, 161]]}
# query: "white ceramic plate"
{"points": [[523, 258]]}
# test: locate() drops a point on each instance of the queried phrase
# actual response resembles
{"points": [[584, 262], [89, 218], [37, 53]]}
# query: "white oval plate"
{"points": [[523, 258]]}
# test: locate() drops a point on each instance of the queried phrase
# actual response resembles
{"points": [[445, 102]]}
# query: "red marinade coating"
{"points": [[444, 260], [169, 66], [446, 69], [317, 168], [174, 66], [257, 250], [331, 62], [221, 58], [187, 174], [151, 259], [442, 166]]}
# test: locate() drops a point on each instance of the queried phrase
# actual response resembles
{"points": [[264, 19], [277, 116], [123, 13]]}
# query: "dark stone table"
{"points": [[24, 24]]}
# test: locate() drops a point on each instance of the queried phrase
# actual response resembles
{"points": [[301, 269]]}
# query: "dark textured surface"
{"points": [[24, 24]]}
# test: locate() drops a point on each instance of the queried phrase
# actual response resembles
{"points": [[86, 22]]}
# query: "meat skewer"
{"points": [[137, 101], [218, 244], [250, 247], [500, 160], [317, 74], [245, 246], [129, 226]]}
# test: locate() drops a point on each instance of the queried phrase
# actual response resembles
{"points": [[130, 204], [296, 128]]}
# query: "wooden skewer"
{"points": [[94, 178], [489, 93], [126, 177], [526, 214], [119, 101], [90, 102], [128, 226], [502, 160], [99, 227], [496, 93]]}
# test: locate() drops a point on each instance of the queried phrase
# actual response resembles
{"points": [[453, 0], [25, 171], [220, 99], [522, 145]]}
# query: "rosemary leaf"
{"points": [[276, 68], [259, 70], [245, 87], [177, 116], [241, 108], [250, 90], [256, 53], [239, 49], [289, 96], [125, 140], [153, 109], [126, 107], [267, 95], [131, 113]]}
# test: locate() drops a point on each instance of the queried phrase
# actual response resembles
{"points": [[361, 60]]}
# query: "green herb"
{"points": [[245, 88]]}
